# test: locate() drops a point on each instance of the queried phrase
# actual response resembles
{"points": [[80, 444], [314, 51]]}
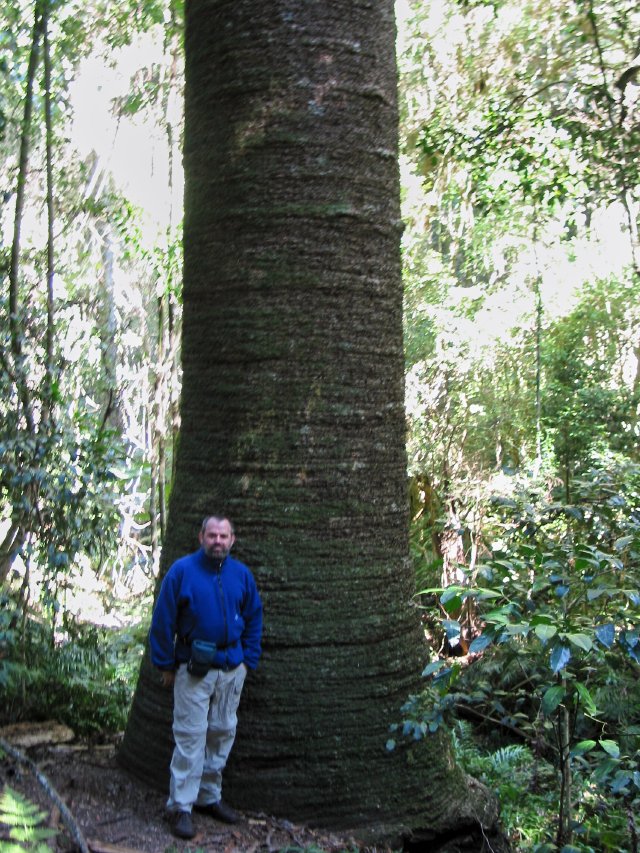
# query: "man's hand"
{"points": [[167, 677]]}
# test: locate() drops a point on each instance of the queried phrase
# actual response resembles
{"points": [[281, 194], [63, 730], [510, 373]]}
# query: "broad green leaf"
{"points": [[481, 643], [610, 747], [586, 698], [582, 641], [593, 594], [586, 563], [451, 600], [434, 666], [545, 632], [451, 592], [552, 698], [515, 629], [502, 616], [620, 782], [560, 657], [583, 747], [504, 564], [542, 619], [623, 542], [605, 634], [482, 593]]}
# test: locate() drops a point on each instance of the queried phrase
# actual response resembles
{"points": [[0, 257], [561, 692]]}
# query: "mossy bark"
{"points": [[292, 409]]}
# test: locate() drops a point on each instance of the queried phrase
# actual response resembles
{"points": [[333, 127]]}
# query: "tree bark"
{"points": [[293, 416], [50, 333]]}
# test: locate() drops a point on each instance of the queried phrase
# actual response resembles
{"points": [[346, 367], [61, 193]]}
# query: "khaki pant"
{"points": [[204, 729]]}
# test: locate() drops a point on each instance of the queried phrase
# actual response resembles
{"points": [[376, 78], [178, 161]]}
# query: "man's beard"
{"points": [[214, 554]]}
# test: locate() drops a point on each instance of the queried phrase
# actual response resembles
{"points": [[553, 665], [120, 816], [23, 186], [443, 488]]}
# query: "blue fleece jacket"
{"points": [[201, 599]]}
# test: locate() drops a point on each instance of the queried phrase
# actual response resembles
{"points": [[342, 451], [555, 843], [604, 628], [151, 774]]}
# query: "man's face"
{"points": [[217, 539]]}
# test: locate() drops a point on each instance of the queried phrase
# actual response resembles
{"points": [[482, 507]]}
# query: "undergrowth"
{"points": [[24, 820], [82, 676], [526, 786]]}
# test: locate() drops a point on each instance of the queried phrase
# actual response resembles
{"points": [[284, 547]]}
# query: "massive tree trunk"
{"points": [[292, 410]]}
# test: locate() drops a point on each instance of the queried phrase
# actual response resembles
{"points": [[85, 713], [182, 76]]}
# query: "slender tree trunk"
{"points": [[9, 549], [50, 333], [538, 354], [166, 319], [625, 168], [25, 508], [633, 829], [15, 324], [564, 812], [538, 375], [157, 434], [293, 416]]}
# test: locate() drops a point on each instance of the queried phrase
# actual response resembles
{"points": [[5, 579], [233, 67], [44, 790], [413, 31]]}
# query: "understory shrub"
{"points": [[543, 650], [84, 677]]}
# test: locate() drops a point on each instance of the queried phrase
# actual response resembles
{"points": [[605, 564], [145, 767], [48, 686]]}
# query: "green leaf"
{"points": [[623, 542], [483, 593], [552, 698], [610, 747], [482, 642], [586, 698], [501, 616], [560, 657], [545, 632], [583, 747], [451, 600], [517, 628], [505, 564], [431, 590], [582, 641], [592, 594], [620, 782], [434, 666], [605, 634], [451, 592]]}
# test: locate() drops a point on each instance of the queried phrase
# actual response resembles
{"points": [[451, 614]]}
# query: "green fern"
{"points": [[507, 757], [24, 818]]}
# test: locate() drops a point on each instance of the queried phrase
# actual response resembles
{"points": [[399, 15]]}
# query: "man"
{"points": [[205, 596]]}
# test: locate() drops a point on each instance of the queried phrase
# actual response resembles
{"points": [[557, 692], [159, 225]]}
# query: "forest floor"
{"points": [[118, 814]]}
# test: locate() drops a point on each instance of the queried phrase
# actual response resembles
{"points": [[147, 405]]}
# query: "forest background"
{"points": [[519, 140]]}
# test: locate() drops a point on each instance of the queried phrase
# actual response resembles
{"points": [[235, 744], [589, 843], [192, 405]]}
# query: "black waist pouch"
{"points": [[203, 654]]}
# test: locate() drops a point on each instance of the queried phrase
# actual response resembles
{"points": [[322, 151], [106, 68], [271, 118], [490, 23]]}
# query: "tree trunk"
{"points": [[15, 322], [50, 369], [564, 758], [292, 411]]}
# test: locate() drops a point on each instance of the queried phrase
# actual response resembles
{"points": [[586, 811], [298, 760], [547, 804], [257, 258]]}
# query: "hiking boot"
{"points": [[181, 824], [219, 811]]}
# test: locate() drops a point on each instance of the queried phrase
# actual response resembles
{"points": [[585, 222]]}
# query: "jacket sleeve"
{"points": [[252, 615], [164, 622]]}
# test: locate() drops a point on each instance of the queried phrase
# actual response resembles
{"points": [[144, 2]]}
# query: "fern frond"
{"points": [[510, 755], [24, 818]]}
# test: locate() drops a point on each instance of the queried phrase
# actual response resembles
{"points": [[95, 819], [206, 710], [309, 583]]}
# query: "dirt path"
{"points": [[117, 814]]}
